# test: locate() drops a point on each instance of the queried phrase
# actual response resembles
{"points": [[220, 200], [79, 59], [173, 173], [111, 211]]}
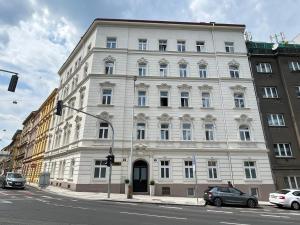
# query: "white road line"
{"points": [[125, 203], [275, 216], [5, 202], [44, 196], [218, 211], [234, 223], [3, 193], [158, 216], [170, 207]]}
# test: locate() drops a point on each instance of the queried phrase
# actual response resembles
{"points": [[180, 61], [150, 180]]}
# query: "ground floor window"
{"points": [[292, 182], [100, 169], [191, 192], [254, 191]]}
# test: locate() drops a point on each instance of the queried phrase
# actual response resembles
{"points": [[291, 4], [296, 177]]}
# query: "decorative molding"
{"points": [[142, 86], [164, 117], [233, 63], [238, 88], [163, 86], [184, 87], [205, 87], [78, 119], [202, 62], [67, 125], [182, 62], [243, 119], [82, 88], [142, 60], [109, 59], [163, 61], [141, 117], [186, 117], [107, 84], [140, 146], [105, 115], [209, 118]]}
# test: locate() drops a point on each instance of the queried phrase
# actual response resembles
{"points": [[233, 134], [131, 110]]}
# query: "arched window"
{"points": [[244, 133]]}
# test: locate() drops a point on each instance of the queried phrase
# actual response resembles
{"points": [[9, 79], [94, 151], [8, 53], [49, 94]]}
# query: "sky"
{"points": [[36, 37]]}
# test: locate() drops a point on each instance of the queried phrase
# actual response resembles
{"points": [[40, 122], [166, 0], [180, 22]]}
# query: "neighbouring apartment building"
{"points": [[193, 98], [38, 138], [276, 75]]}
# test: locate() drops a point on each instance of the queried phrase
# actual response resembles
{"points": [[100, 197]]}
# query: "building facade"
{"points": [[193, 101], [39, 134], [276, 74]]}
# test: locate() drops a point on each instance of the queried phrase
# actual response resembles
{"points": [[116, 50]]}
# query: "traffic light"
{"points": [[59, 107], [110, 160], [13, 83]]}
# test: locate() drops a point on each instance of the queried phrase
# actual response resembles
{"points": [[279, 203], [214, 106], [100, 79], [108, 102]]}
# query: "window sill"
{"points": [[167, 107], [266, 98], [105, 105], [137, 106], [239, 108], [166, 180], [285, 157], [277, 126], [252, 180], [214, 180], [99, 180], [208, 108], [185, 107]]}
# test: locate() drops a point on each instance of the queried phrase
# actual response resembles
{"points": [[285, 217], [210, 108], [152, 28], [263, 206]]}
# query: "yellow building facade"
{"points": [[34, 158]]}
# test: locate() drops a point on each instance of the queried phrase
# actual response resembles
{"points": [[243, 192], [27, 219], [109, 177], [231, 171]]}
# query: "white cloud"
{"points": [[37, 47]]}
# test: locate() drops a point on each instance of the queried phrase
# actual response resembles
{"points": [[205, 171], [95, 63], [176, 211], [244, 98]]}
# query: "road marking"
{"points": [[5, 202], [3, 193], [275, 216], [151, 215], [234, 223], [125, 203], [170, 207], [218, 211], [44, 196]]}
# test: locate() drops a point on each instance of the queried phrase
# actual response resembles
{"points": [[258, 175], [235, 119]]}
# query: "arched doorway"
{"points": [[140, 176]]}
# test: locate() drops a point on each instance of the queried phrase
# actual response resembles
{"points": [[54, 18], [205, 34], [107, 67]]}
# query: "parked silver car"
{"points": [[12, 180], [289, 198]]}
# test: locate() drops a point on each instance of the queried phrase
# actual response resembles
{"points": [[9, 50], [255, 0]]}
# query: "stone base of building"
{"points": [[175, 190]]}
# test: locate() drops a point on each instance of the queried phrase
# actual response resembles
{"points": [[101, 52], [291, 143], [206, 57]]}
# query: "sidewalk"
{"points": [[123, 198]]}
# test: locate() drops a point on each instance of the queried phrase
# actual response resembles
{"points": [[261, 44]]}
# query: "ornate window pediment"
{"points": [[184, 87], [105, 115], [164, 117], [163, 61], [142, 61], [209, 118], [164, 86], [182, 61], [186, 117], [202, 62], [238, 88], [141, 117], [243, 119], [107, 84], [205, 87], [142, 86], [234, 63], [109, 59]]}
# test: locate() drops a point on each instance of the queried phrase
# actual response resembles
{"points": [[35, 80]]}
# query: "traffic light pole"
{"points": [[112, 142]]}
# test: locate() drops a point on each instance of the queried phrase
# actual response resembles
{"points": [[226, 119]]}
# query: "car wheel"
{"points": [[295, 205], [218, 202], [251, 203]]}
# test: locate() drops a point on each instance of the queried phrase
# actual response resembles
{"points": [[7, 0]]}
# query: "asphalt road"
{"points": [[35, 207]]}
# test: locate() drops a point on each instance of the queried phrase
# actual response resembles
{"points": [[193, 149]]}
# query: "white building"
{"points": [[193, 96]]}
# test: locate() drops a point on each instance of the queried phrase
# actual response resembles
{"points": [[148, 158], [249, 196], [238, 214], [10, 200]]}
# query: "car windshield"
{"points": [[283, 192], [14, 175]]}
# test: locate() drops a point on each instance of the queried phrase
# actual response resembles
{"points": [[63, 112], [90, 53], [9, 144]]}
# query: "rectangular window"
{"points": [[188, 169], [205, 100], [103, 131], [109, 68], [209, 132], [163, 70], [244, 133], [143, 44], [183, 70], [106, 96], [212, 169], [164, 98], [111, 42], [234, 71], [292, 182], [162, 45], [294, 66], [282, 150], [276, 120], [229, 47], [239, 100], [264, 68], [100, 169], [250, 169], [202, 71], [190, 192], [141, 131], [164, 131], [142, 69], [181, 46], [298, 91], [254, 192], [186, 132], [184, 99], [165, 169], [270, 92], [72, 166], [200, 46], [142, 98], [53, 168]]}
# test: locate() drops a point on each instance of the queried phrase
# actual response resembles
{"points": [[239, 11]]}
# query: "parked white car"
{"points": [[289, 198]]}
